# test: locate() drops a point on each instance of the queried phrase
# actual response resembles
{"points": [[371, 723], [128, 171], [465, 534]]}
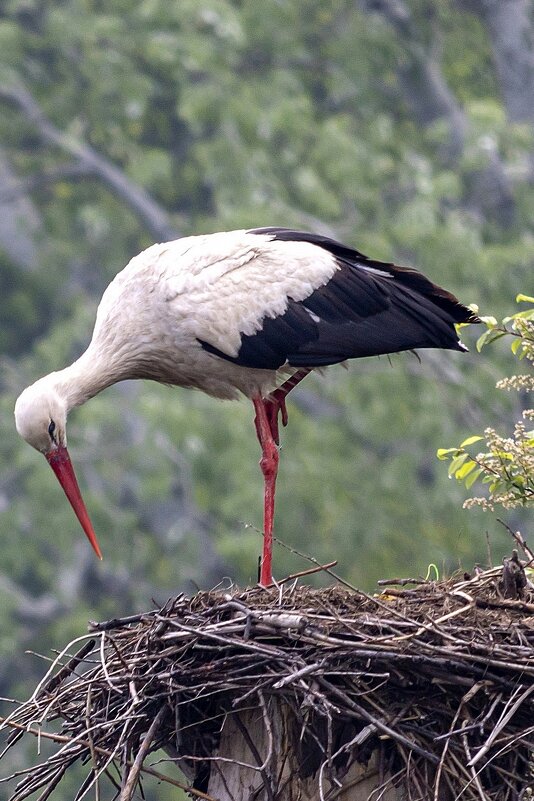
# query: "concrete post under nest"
{"points": [[258, 758], [298, 694]]}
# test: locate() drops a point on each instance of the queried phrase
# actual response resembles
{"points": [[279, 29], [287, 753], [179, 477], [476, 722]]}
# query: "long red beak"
{"points": [[59, 461]]}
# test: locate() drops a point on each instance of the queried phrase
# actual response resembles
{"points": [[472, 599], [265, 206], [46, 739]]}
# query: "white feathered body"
{"points": [[213, 288], [236, 312]]}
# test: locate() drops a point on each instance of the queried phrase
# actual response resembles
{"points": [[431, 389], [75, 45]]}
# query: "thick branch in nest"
{"points": [[330, 694]]}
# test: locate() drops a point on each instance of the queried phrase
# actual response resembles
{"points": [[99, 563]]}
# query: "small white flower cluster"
{"points": [[507, 464], [524, 383]]}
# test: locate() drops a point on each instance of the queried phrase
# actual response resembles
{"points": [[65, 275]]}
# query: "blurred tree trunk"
{"points": [[425, 89], [87, 161], [510, 27], [20, 222]]}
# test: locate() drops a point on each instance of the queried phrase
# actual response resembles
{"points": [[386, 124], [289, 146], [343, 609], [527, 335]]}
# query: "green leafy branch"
{"points": [[506, 466]]}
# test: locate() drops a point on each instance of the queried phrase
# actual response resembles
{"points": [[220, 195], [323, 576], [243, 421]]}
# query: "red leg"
{"points": [[276, 402], [266, 422], [269, 468]]}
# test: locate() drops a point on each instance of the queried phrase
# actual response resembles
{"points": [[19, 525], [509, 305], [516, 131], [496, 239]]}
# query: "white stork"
{"points": [[241, 312]]}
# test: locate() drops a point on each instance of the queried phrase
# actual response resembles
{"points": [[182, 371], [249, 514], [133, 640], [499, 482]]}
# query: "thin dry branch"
{"points": [[132, 777]]}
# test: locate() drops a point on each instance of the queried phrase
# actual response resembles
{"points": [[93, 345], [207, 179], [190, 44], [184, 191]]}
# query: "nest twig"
{"points": [[439, 677]]}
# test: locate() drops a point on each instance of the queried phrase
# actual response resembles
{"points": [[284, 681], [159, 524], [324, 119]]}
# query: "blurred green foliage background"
{"points": [[402, 127]]}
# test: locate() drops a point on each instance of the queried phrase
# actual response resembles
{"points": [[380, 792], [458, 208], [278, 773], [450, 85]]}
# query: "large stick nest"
{"points": [[438, 677]]}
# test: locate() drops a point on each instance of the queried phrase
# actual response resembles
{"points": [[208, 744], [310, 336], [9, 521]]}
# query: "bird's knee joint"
{"points": [[269, 462]]}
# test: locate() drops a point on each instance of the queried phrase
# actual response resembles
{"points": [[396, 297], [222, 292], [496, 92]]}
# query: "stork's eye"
{"points": [[51, 429]]}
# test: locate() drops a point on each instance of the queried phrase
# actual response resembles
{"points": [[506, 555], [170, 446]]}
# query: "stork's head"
{"points": [[41, 419]]}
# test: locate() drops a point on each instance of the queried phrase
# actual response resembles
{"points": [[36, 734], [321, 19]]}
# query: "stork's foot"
{"points": [[275, 404], [273, 407]]}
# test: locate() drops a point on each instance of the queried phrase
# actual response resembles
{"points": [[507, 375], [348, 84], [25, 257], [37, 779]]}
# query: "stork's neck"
{"points": [[85, 377]]}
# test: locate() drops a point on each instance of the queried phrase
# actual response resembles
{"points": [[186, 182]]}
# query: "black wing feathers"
{"points": [[367, 308], [348, 296], [268, 348]]}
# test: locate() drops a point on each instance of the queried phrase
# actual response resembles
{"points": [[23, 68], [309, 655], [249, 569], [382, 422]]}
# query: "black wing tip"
{"points": [[472, 318], [462, 314]]}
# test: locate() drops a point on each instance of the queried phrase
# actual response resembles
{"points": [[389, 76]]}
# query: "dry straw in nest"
{"points": [[436, 679]]}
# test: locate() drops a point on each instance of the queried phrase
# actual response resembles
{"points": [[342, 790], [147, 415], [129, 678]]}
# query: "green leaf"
{"points": [[466, 468], [504, 455], [457, 462], [489, 320], [516, 344], [470, 480], [444, 453], [482, 340], [471, 440], [489, 336], [524, 298]]}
